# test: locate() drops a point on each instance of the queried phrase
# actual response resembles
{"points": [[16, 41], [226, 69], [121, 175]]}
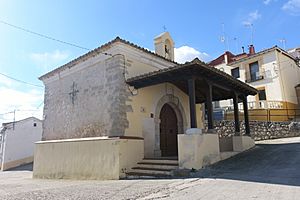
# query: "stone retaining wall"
{"points": [[260, 130]]}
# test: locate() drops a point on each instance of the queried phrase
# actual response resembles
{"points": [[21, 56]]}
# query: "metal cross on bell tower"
{"points": [[74, 92], [164, 28]]}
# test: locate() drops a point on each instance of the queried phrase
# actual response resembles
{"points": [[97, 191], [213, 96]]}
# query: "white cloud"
{"points": [[186, 53], [252, 17], [292, 7], [25, 104], [49, 59]]}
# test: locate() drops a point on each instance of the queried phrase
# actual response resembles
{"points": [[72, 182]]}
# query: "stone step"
{"points": [[158, 166], [153, 172], [151, 168], [154, 167], [145, 175], [160, 161], [162, 158]]}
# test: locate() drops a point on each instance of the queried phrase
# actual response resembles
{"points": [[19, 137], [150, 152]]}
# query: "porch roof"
{"points": [[223, 84]]}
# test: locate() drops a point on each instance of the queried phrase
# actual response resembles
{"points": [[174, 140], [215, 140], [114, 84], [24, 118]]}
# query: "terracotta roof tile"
{"points": [[261, 53]]}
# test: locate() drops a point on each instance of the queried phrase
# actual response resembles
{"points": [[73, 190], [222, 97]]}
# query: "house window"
{"points": [[254, 72], [216, 104], [34, 124], [235, 72], [262, 95]]}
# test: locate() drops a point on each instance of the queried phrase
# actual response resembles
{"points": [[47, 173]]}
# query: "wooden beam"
{"points": [[236, 114], [192, 101], [246, 115], [209, 106]]}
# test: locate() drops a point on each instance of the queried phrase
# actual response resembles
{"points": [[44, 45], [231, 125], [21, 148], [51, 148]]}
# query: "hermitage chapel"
{"points": [[122, 110]]}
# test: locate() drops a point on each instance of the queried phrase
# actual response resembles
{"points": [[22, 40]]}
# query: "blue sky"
{"points": [[196, 27]]}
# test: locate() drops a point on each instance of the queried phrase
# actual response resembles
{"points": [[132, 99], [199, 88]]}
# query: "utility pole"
{"points": [[14, 119]]}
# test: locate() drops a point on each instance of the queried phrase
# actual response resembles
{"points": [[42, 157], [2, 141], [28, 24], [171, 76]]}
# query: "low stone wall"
{"points": [[86, 158], [260, 130]]}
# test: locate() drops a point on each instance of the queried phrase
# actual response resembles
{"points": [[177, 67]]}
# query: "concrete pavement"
{"points": [[270, 171]]}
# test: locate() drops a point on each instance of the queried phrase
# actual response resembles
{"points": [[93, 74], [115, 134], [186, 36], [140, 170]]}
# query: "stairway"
{"points": [[154, 168]]}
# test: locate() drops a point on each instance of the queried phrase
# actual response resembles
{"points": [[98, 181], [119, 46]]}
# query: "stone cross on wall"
{"points": [[74, 92]]}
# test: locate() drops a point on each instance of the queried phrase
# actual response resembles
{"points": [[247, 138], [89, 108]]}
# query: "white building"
{"points": [[273, 72], [17, 142]]}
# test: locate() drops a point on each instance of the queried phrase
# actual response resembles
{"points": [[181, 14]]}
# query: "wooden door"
{"points": [[168, 131]]}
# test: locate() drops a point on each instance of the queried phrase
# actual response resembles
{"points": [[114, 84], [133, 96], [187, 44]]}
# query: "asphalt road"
{"points": [[270, 171]]}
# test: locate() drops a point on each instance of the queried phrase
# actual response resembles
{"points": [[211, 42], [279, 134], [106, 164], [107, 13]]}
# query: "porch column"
{"points": [[236, 114], [246, 115], [209, 105], [192, 101]]}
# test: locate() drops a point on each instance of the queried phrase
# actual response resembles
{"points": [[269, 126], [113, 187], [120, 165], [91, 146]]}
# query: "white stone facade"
{"points": [[91, 98]]}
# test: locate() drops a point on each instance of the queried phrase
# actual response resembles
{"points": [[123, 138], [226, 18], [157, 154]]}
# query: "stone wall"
{"points": [[260, 130], [86, 102]]}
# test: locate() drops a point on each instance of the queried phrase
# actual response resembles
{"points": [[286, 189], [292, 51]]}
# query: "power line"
{"points": [[7, 113], [24, 82], [40, 105], [42, 35], [18, 110]]}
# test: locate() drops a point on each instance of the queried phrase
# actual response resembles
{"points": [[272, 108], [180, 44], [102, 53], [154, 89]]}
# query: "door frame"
{"points": [[175, 103]]}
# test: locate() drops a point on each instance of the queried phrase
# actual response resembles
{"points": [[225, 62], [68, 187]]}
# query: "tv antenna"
{"points": [[223, 37], [283, 42], [250, 25]]}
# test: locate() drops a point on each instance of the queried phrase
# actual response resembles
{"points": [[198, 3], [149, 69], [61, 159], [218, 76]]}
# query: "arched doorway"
{"points": [[168, 131]]}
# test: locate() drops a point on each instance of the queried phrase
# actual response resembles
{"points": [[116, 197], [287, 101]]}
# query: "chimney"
{"points": [[251, 49], [226, 58], [243, 49]]}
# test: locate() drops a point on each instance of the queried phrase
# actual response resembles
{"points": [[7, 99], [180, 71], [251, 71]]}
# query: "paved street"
{"points": [[270, 171]]}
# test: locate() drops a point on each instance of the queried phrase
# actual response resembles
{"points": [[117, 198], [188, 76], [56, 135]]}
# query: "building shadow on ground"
{"points": [[26, 167], [266, 163]]}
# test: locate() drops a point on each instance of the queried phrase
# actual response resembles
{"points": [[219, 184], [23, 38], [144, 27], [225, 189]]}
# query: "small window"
{"points": [[235, 72], [254, 71], [34, 124], [262, 95]]}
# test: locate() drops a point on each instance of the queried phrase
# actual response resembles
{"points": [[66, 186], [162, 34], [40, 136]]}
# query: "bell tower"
{"points": [[164, 45]]}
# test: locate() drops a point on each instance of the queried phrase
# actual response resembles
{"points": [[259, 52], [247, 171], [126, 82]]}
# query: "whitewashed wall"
{"points": [[19, 142]]}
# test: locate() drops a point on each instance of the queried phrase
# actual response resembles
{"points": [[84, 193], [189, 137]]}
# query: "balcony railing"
{"points": [[265, 105], [258, 105], [251, 77]]}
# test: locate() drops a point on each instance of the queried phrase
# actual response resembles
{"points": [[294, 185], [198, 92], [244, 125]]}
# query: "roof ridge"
{"points": [[99, 50], [21, 120]]}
